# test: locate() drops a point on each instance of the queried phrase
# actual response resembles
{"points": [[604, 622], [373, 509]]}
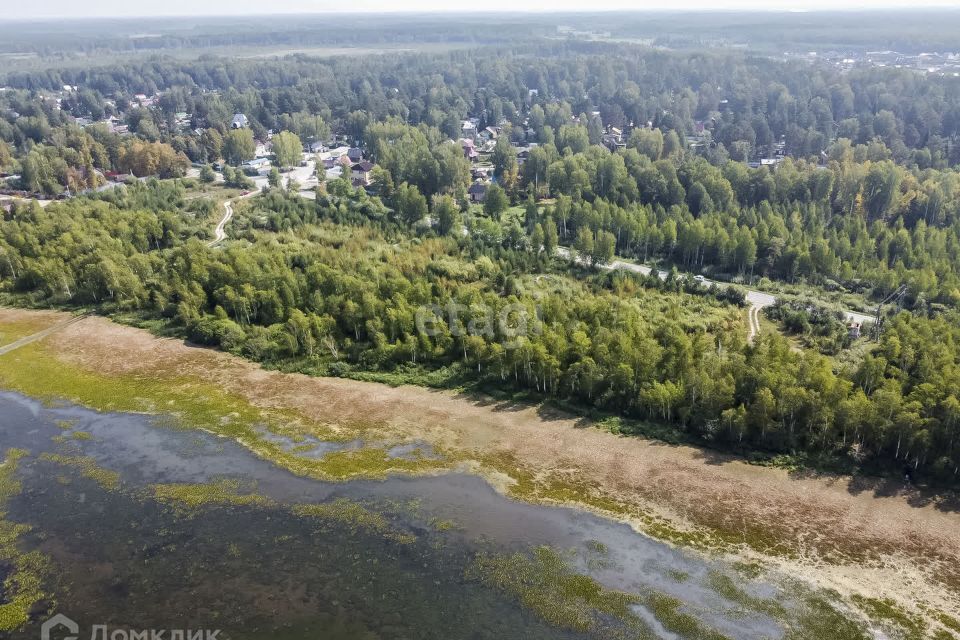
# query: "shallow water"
{"points": [[126, 560]]}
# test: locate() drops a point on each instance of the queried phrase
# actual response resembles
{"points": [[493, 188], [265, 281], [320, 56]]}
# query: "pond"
{"points": [[148, 526]]}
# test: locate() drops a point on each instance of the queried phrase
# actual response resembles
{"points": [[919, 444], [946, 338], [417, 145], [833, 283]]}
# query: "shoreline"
{"points": [[837, 532]]}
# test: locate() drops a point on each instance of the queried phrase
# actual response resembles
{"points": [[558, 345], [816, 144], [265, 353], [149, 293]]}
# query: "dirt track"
{"points": [[22, 342], [219, 234], [914, 539], [753, 317]]}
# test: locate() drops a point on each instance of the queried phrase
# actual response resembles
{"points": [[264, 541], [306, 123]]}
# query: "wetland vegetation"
{"points": [[341, 548], [362, 411], [581, 583]]}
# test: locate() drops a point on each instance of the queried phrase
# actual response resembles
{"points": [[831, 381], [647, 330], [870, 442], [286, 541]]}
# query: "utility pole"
{"points": [[896, 295]]}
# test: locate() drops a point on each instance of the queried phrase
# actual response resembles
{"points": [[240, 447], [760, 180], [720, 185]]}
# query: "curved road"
{"points": [[757, 299], [219, 234], [753, 317]]}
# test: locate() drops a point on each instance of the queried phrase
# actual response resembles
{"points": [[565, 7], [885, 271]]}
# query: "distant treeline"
{"points": [[909, 31], [747, 104]]}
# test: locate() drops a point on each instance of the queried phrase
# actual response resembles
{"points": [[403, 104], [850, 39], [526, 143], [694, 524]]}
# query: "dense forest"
{"points": [[748, 104], [862, 197], [334, 287]]}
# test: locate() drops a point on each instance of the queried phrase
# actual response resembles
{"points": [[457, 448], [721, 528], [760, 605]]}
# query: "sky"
{"points": [[106, 8]]}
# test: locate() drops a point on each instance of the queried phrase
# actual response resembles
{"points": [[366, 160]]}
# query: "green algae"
{"points": [[725, 586], [186, 402], [948, 621], [187, 498], [717, 536], [544, 583], [23, 586], [107, 479], [567, 488], [668, 611], [598, 547], [748, 568], [37, 373], [891, 617], [818, 618], [375, 462], [441, 525], [678, 576], [346, 512]]}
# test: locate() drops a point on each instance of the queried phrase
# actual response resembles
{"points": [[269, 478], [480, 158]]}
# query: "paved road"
{"points": [[305, 175], [757, 299], [22, 342]]}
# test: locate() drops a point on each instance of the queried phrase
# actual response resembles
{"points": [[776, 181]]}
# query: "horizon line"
{"points": [[511, 12]]}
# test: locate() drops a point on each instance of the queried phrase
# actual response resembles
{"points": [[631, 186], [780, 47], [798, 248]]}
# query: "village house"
{"points": [[481, 173], [614, 139], [477, 192], [488, 134], [257, 164], [523, 153], [263, 149], [338, 152], [468, 128], [355, 154], [469, 150], [116, 126], [182, 120], [854, 329], [360, 173], [239, 121]]}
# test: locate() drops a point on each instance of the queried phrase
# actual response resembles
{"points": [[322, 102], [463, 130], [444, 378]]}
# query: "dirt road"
{"points": [[757, 299], [22, 342], [219, 235], [753, 317]]}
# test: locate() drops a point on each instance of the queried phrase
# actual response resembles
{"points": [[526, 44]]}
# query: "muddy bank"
{"points": [[849, 534]]}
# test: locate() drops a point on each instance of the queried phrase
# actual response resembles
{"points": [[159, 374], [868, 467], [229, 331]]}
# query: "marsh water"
{"points": [[121, 558]]}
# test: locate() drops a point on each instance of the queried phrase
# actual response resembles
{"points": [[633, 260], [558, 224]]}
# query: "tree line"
{"points": [[334, 286]]}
